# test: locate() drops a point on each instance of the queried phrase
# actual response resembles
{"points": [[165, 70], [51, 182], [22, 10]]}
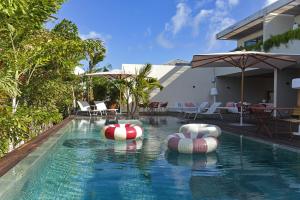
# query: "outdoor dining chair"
{"points": [[262, 117]]}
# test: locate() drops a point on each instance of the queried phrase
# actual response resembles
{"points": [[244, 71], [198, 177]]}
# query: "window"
{"points": [[253, 41]]}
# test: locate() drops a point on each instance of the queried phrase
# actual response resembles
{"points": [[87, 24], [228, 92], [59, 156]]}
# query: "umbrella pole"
{"points": [[242, 97]]}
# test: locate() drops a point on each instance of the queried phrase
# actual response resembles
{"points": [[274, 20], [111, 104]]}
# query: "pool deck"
{"points": [[14, 157]]}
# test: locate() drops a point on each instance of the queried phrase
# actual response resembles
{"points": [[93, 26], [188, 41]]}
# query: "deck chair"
{"points": [[212, 110], [200, 109], [84, 106], [101, 107]]}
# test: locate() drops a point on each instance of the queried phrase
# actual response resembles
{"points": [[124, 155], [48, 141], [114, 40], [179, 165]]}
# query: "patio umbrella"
{"points": [[113, 75], [245, 60]]}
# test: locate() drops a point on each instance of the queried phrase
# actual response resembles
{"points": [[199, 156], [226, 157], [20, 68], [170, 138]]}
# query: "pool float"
{"points": [[122, 131], [201, 130], [194, 138]]}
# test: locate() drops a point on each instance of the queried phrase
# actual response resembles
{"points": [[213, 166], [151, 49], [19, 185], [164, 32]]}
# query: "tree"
{"points": [[95, 53], [136, 90], [20, 19]]}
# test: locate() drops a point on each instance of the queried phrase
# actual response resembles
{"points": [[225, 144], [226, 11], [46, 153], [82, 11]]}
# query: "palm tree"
{"points": [[138, 88], [95, 53]]}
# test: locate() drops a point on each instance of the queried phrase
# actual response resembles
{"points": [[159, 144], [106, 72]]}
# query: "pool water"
{"points": [[79, 164]]}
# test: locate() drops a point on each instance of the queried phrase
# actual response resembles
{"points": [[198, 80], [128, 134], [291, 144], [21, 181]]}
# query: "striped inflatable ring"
{"points": [[184, 143], [122, 131], [204, 130]]}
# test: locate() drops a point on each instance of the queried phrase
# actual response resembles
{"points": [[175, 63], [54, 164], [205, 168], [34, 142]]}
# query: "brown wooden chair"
{"points": [[262, 117], [153, 106], [163, 106]]}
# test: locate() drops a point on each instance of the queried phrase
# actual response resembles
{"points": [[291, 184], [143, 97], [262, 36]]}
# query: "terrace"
{"points": [[148, 131]]}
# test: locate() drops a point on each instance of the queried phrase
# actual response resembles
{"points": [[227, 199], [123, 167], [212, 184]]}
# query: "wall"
{"points": [[192, 85], [274, 25], [158, 71], [287, 97], [292, 47], [255, 89], [297, 19], [181, 83]]}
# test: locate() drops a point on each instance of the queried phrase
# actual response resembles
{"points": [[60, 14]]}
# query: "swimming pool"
{"points": [[77, 163]]}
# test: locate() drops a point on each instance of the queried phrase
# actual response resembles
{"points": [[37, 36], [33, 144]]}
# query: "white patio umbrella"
{"points": [[113, 75], [244, 60]]}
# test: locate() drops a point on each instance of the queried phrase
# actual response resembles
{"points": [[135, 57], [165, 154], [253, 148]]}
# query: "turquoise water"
{"points": [[83, 165]]}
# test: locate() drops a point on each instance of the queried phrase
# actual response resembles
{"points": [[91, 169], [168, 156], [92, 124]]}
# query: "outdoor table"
{"points": [[268, 115]]}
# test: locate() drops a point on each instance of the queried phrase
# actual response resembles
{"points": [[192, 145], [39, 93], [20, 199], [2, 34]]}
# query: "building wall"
{"points": [[181, 83], [287, 96], [297, 19], [192, 85], [158, 71], [241, 41], [274, 25], [292, 47], [255, 89]]}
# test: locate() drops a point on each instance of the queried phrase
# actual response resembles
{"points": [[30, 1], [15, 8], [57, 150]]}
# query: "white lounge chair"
{"points": [[212, 110], [200, 109], [178, 107], [101, 107], [84, 106]]}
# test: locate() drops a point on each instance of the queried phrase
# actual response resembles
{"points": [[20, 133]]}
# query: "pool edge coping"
{"points": [[12, 158]]}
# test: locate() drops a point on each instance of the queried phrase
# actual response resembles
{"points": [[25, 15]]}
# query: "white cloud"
{"points": [[217, 18], [233, 2], [220, 4], [181, 18], [202, 15], [163, 41], [95, 35], [268, 2]]}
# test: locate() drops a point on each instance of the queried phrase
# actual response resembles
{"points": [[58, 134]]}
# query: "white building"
{"points": [[181, 83], [276, 19], [184, 84]]}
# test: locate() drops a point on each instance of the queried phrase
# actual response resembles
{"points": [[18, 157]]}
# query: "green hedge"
{"points": [[273, 41], [277, 40]]}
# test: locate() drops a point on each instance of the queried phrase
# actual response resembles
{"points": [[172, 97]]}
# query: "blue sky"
{"points": [[156, 31]]}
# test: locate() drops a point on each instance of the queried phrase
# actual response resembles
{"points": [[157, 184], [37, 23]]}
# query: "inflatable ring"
{"points": [[122, 131], [184, 143], [200, 130]]}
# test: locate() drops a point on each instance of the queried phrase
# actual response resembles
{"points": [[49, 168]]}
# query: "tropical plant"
{"points": [[136, 89], [95, 53], [36, 69]]}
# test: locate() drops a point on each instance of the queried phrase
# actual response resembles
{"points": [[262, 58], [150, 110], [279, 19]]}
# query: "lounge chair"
{"points": [[189, 106], [101, 107], [178, 107], [232, 107], [84, 106], [200, 109], [212, 110]]}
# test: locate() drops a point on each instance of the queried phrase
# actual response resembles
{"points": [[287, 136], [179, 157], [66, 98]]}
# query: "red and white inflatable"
{"points": [[122, 131], [194, 138]]}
